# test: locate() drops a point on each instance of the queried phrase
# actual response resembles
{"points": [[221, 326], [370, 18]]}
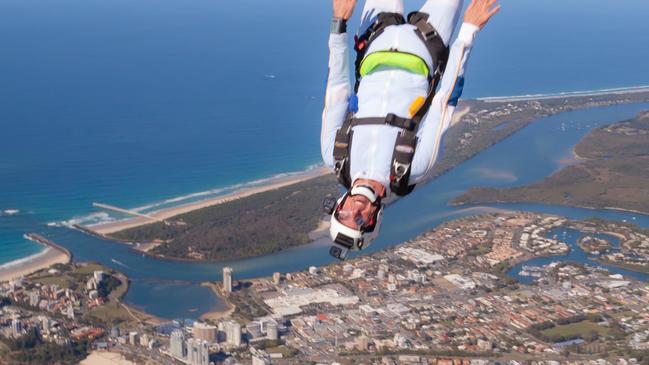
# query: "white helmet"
{"points": [[351, 239]]}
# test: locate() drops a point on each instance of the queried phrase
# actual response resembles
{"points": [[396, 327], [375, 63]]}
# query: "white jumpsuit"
{"points": [[392, 90]]}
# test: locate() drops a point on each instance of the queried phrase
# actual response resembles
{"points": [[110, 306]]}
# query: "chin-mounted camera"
{"points": [[329, 204], [338, 252]]}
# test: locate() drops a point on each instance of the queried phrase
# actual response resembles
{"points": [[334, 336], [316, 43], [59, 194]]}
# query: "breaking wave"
{"points": [[106, 217], [564, 94]]}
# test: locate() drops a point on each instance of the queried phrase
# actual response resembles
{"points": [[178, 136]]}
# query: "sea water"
{"points": [[138, 103]]}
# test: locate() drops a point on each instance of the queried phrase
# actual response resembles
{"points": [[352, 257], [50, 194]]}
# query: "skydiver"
{"points": [[382, 134]]}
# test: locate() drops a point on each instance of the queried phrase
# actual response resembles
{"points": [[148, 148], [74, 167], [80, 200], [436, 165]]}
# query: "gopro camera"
{"points": [[338, 252]]}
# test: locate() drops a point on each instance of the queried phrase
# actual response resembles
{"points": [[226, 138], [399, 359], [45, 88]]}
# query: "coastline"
{"points": [[51, 255], [104, 229], [217, 315]]}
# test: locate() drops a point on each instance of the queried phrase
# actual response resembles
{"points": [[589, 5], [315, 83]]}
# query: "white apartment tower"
{"points": [[177, 344], [227, 279]]}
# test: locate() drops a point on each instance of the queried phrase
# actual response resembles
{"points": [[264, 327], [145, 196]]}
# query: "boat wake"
{"points": [[119, 263]]}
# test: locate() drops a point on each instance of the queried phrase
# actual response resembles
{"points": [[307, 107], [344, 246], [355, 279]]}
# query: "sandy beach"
{"points": [[216, 316], [163, 214], [42, 260], [105, 358]]}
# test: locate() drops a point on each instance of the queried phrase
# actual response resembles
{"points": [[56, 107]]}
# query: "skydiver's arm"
{"points": [[338, 83], [438, 119]]}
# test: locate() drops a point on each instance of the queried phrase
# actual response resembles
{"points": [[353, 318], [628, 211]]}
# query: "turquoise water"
{"points": [[134, 103]]}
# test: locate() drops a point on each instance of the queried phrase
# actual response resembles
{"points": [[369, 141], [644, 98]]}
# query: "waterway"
{"points": [[172, 289], [576, 254]]}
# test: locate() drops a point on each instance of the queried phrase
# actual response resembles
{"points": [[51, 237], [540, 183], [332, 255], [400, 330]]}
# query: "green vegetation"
{"points": [[566, 329], [614, 174], [75, 276], [108, 314], [586, 330], [260, 224], [30, 349], [275, 220]]}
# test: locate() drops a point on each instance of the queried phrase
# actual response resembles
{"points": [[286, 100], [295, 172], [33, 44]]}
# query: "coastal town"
{"points": [[445, 297]]}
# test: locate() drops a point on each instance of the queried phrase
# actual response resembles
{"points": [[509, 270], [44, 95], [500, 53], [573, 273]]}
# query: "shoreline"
{"points": [[566, 94], [217, 315], [104, 229], [51, 255]]}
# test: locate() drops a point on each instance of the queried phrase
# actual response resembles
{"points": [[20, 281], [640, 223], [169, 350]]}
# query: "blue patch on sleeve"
{"points": [[353, 103], [457, 91]]}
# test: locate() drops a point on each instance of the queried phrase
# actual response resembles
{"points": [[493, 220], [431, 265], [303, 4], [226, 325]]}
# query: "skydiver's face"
{"points": [[356, 211]]}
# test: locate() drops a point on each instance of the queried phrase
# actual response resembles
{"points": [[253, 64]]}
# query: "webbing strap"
{"points": [[404, 152], [390, 119], [342, 146], [406, 142]]}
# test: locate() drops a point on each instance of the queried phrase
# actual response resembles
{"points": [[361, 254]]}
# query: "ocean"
{"points": [[138, 103]]}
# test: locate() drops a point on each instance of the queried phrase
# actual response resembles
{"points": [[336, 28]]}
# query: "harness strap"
{"points": [[342, 147], [406, 142], [390, 119], [362, 42], [404, 152]]}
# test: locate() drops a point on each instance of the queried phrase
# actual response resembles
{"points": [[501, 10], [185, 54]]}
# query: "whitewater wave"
{"points": [[25, 260], [10, 212], [94, 218], [150, 208], [106, 217], [565, 94]]}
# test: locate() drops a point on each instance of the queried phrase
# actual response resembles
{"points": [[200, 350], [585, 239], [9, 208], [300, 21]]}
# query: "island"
{"points": [[259, 221]]}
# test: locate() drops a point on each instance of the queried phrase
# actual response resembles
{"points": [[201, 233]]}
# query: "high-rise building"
{"points": [[99, 276], [204, 358], [192, 351], [277, 278], [227, 279], [272, 332], [16, 327], [205, 332], [198, 352], [232, 333], [177, 345], [114, 332], [144, 340], [253, 329], [133, 338]]}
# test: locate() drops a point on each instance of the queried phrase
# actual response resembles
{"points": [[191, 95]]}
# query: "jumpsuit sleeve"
{"points": [[337, 94], [439, 116]]}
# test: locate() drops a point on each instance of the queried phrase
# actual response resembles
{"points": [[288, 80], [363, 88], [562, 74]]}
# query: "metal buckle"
{"points": [[400, 170]]}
